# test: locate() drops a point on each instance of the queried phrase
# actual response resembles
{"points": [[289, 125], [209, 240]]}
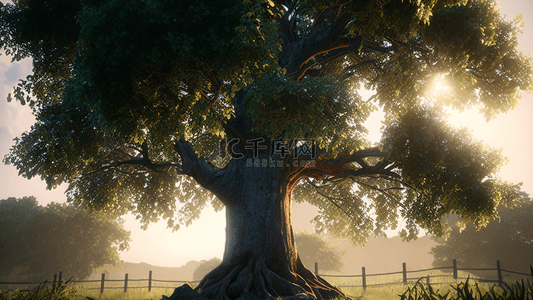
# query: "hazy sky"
{"points": [[204, 239]]}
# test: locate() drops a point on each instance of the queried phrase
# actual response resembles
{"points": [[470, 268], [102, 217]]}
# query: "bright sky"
{"points": [[204, 239]]}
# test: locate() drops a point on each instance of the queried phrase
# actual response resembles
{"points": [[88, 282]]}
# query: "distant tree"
{"points": [[312, 247], [206, 267], [508, 239], [135, 100], [37, 242]]}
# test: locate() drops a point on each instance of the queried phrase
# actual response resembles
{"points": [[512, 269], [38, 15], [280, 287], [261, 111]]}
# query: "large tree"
{"points": [[508, 239], [136, 100], [315, 248], [205, 267], [37, 242]]}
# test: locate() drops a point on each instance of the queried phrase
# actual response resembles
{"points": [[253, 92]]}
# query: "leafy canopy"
{"points": [[508, 239], [118, 85], [313, 248], [205, 267], [37, 241]]}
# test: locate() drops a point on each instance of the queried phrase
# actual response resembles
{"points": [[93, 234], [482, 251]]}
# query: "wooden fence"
{"points": [[498, 278], [151, 283], [127, 280]]}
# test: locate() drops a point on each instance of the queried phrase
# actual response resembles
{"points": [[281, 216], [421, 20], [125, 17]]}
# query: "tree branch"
{"points": [[143, 160], [307, 68], [330, 199], [323, 37], [140, 161], [189, 159], [349, 71], [205, 174], [288, 20], [337, 168]]}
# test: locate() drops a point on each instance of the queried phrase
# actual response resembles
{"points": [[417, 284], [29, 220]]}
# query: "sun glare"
{"points": [[440, 85]]}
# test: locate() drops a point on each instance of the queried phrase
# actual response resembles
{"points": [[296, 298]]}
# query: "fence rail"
{"points": [[58, 278], [406, 279]]}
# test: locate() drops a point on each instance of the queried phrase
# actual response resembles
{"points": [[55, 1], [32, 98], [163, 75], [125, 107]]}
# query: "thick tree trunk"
{"points": [[260, 257]]}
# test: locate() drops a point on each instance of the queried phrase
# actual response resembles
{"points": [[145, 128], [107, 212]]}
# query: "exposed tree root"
{"points": [[253, 280]]}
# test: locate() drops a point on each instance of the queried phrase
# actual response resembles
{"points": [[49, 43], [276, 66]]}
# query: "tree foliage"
{"points": [[313, 248], [37, 242], [508, 239], [205, 267], [135, 99]]}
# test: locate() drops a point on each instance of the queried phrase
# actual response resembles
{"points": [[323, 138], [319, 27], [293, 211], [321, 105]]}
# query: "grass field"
{"points": [[134, 294], [451, 290], [72, 292]]}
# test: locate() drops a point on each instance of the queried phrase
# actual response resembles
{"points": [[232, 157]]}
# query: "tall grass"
{"points": [[518, 290], [70, 291], [42, 292]]}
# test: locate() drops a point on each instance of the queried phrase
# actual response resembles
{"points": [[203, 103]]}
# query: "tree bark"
{"points": [[260, 258]]}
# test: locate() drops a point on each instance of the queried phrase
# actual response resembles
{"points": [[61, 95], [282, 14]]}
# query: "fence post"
{"points": [[55, 278], [364, 279], [126, 283], [102, 284], [150, 281], [404, 265], [454, 269], [499, 268], [60, 280], [316, 268], [427, 281]]}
